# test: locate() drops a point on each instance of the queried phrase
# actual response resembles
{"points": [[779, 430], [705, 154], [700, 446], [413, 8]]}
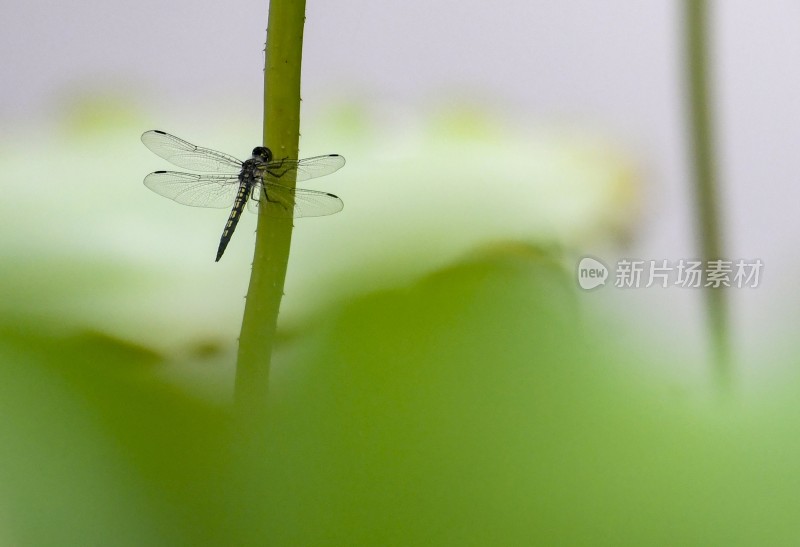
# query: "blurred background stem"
{"points": [[706, 210], [273, 235]]}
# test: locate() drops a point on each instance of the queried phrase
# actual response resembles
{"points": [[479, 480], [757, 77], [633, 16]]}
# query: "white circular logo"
{"points": [[591, 273]]}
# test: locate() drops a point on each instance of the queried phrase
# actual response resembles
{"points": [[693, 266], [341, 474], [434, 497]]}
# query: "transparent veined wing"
{"points": [[185, 154], [196, 190], [294, 202], [305, 169]]}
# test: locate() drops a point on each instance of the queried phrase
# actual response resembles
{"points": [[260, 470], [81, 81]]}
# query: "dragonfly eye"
{"points": [[262, 152]]}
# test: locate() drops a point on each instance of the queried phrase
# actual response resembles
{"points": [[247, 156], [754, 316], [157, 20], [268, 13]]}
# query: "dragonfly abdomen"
{"points": [[233, 219]]}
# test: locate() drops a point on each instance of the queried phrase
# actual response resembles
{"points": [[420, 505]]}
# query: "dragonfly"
{"points": [[260, 182]]}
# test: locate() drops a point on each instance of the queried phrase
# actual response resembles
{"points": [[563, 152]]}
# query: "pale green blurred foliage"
{"points": [[475, 406], [478, 406], [419, 193], [438, 380]]}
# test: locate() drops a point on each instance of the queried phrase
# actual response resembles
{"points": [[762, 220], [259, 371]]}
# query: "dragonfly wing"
{"points": [[185, 154], [299, 202], [208, 190], [305, 169]]}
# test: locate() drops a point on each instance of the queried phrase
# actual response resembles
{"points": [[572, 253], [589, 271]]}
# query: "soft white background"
{"points": [[612, 68]]}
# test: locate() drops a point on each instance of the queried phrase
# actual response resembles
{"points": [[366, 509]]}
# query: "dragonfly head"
{"points": [[262, 153]]}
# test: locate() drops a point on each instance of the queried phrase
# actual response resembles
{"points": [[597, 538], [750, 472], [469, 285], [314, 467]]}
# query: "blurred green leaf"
{"points": [[97, 451], [478, 407], [475, 406]]}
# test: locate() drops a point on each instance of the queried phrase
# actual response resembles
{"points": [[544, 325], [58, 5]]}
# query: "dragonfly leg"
{"points": [[269, 199], [275, 201], [278, 175]]}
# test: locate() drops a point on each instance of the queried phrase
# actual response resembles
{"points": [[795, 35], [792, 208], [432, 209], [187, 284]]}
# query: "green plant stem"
{"points": [[273, 235], [707, 217]]}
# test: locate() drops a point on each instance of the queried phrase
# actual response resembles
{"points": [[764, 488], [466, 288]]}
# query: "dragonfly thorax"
{"points": [[262, 153], [252, 171]]}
